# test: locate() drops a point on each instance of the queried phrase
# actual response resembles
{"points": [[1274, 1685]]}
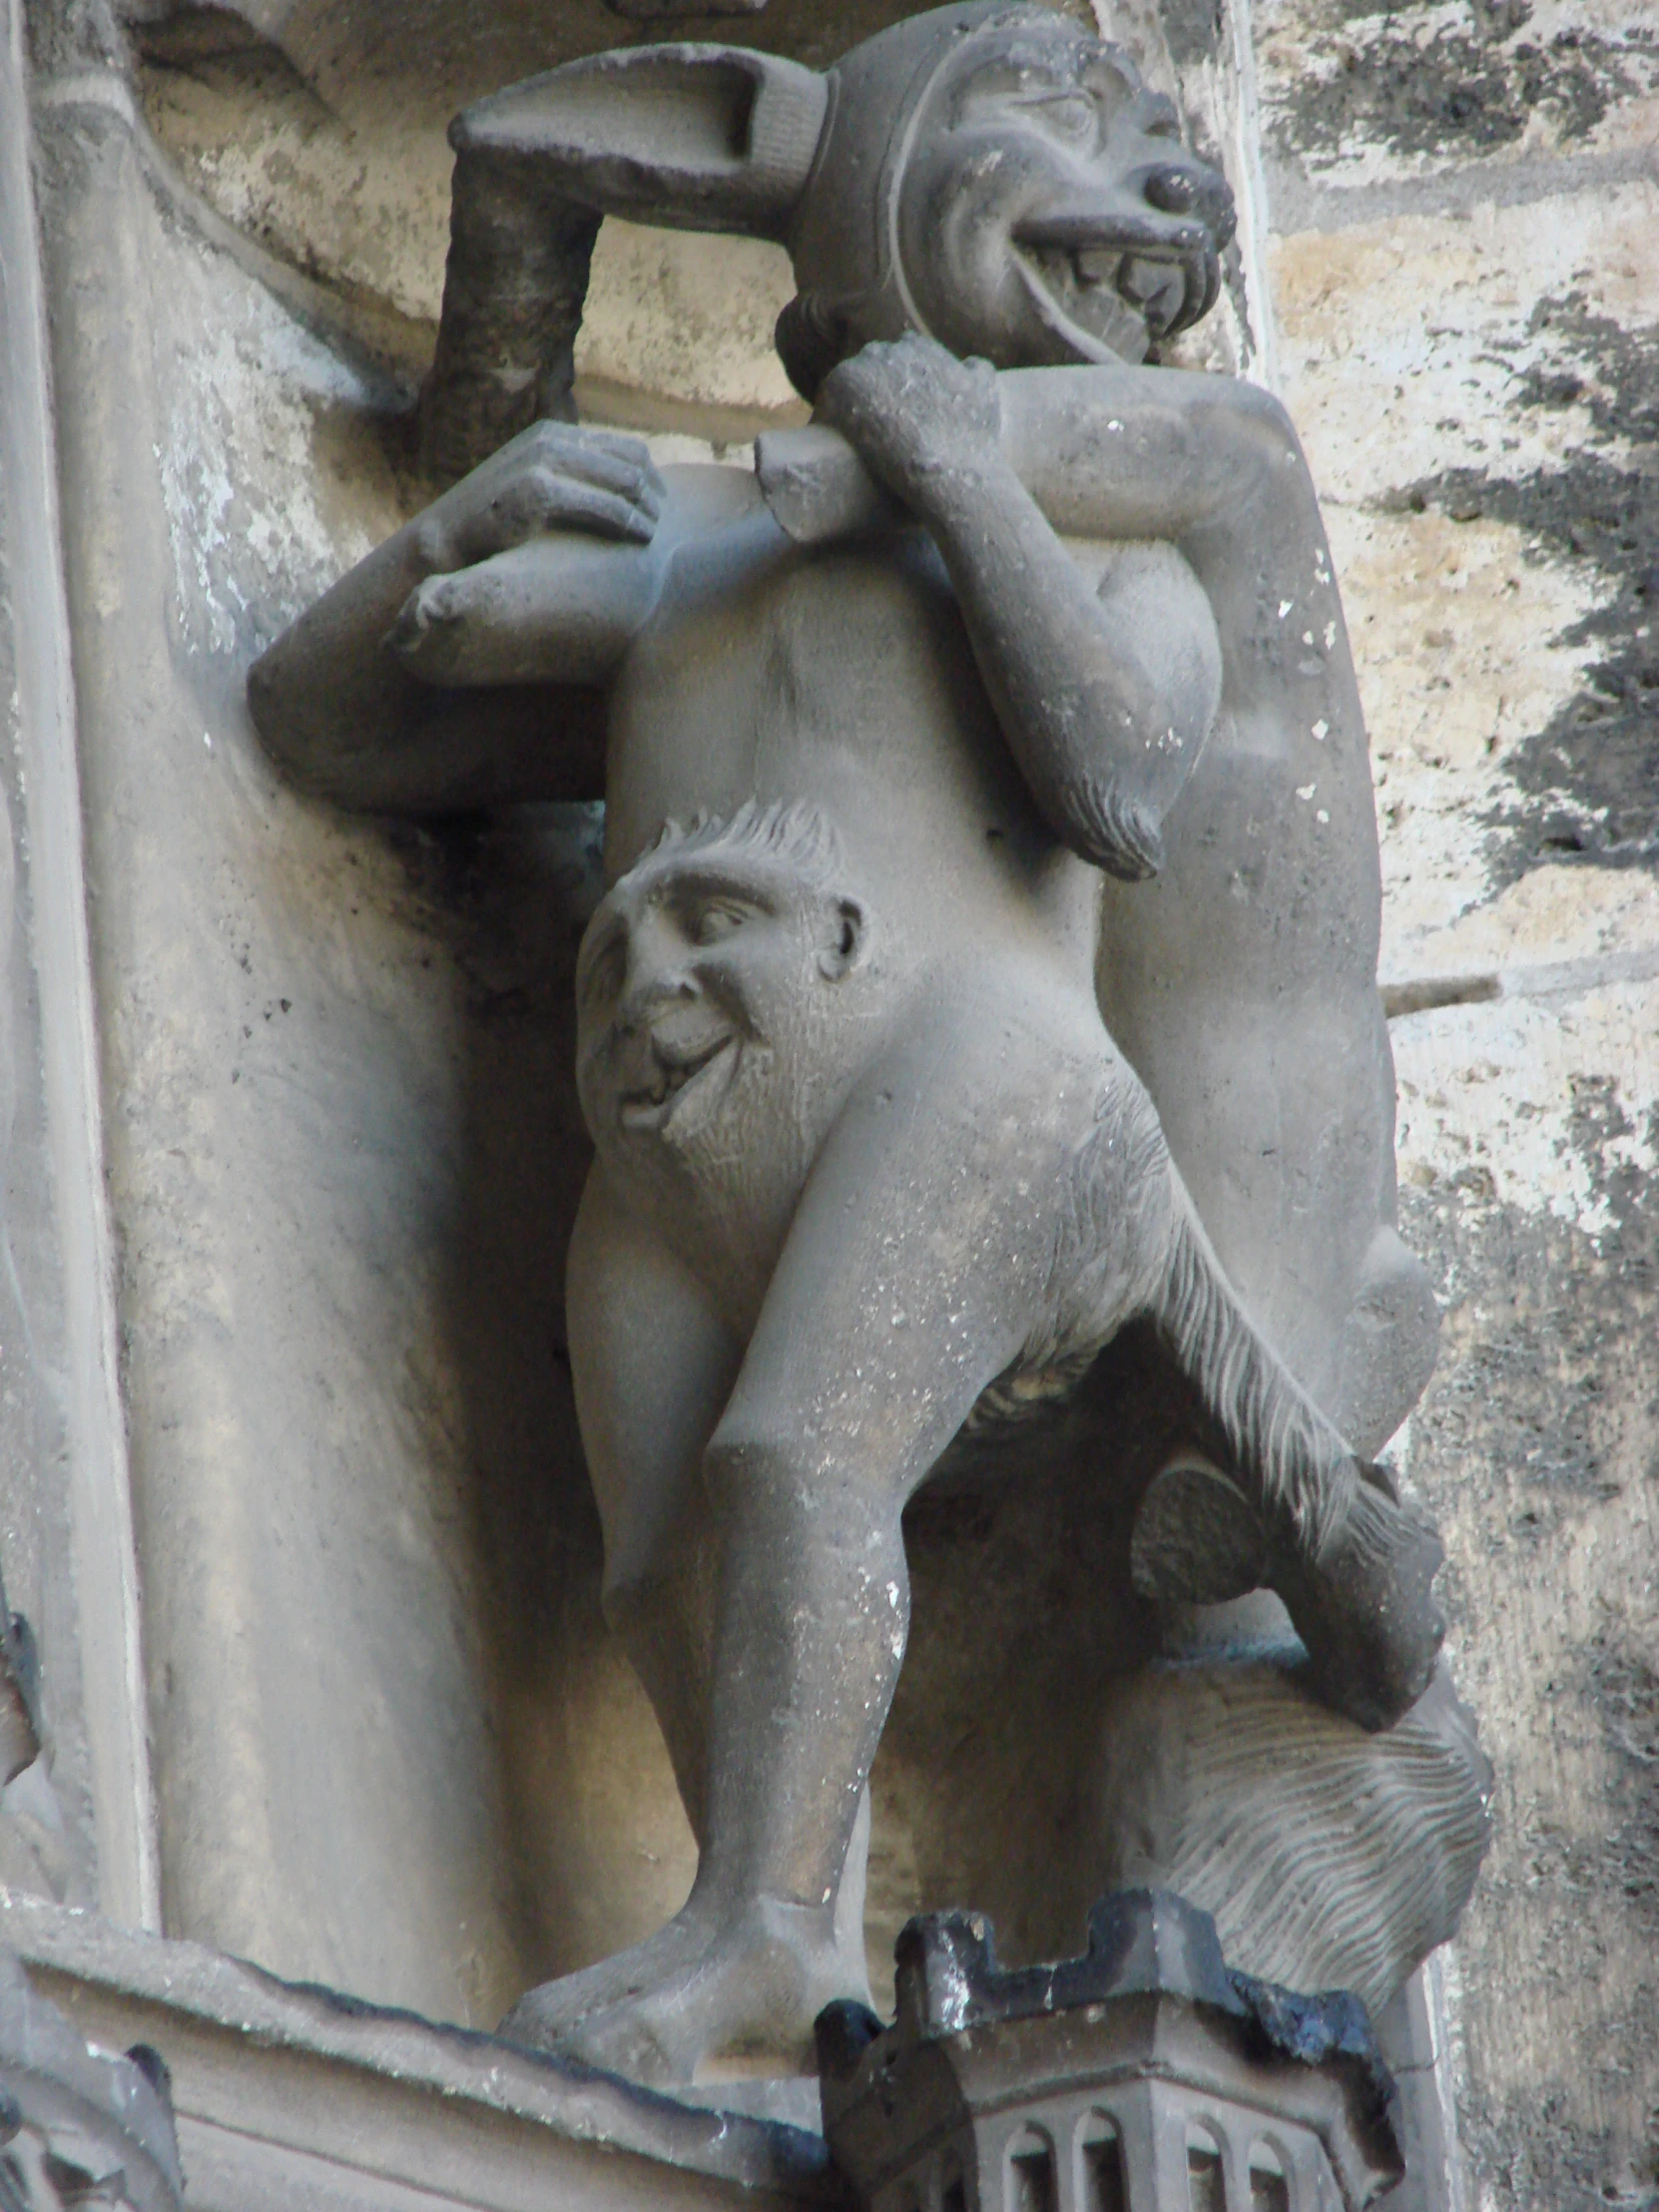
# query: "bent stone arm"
{"points": [[1209, 465], [342, 708], [418, 683], [1212, 464], [1105, 702], [1106, 716]]}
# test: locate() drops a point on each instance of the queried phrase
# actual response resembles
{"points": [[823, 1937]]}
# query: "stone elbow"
{"points": [[1271, 434], [265, 706], [1120, 834]]}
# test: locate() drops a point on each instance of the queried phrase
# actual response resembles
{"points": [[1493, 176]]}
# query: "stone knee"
{"points": [[1389, 1343]]}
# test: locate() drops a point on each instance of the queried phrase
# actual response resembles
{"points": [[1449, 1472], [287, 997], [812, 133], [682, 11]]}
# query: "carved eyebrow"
{"points": [[1005, 81], [691, 884], [1154, 112], [1007, 78]]}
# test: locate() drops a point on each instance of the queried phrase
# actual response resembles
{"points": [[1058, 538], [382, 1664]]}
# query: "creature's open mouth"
{"points": [[673, 1080], [1116, 286]]}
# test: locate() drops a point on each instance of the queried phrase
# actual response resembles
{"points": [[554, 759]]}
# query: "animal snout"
{"points": [[1183, 188]]}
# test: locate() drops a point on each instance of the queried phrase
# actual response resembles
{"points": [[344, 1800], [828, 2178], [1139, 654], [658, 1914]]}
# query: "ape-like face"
{"points": [[1048, 211], [708, 990]]}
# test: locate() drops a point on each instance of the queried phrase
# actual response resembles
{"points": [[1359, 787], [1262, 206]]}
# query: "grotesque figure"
{"points": [[867, 1152], [751, 1034]]}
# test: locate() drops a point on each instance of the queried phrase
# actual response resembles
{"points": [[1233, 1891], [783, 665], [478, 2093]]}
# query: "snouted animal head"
{"points": [[1049, 211], [702, 989], [988, 173], [1004, 182]]}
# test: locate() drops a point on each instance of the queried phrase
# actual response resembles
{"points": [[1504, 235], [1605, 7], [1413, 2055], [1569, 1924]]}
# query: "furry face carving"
{"points": [[709, 1002]]}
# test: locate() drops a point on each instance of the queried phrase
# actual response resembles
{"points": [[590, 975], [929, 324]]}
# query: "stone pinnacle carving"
{"points": [[79, 2125], [1143, 2075]]}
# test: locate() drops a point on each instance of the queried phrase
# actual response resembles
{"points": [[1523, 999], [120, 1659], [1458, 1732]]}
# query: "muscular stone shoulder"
{"points": [[1045, 407]]}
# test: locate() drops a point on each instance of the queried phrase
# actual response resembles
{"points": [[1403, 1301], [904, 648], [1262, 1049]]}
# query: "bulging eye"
{"points": [[1072, 115], [718, 920]]}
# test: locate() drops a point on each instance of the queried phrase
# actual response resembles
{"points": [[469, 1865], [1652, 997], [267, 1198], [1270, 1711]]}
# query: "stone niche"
{"points": [[292, 1493], [386, 1743]]}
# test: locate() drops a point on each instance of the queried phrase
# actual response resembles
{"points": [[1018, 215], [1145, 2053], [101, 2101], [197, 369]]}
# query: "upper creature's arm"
{"points": [[1001, 471], [1214, 465], [1105, 686], [536, 569]]}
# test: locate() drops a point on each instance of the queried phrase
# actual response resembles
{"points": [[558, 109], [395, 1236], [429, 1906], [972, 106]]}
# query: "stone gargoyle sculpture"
{"points": [[987, 822]]}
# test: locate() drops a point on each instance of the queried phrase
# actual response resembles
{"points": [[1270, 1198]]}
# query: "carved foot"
{"points": [[1365, 1610], [699, 2000], [1363, 1607]]}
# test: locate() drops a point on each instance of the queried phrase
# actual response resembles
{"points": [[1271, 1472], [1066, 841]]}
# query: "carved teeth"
{"points": [[1096, 265]]}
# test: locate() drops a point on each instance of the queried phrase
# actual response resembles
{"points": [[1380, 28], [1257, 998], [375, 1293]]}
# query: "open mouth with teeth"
{"points": [[677, 1079], [1116, 286]]}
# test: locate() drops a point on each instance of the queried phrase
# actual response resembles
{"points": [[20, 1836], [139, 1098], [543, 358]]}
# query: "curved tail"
{"points": [[1281, 1442]]}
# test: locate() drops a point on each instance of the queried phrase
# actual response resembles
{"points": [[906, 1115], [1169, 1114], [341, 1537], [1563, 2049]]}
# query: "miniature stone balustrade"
{"points": [[1143, 2076]]}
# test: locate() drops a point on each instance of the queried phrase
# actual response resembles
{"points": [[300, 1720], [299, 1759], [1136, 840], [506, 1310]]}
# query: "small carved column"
{"points": [[1144, 2076]]}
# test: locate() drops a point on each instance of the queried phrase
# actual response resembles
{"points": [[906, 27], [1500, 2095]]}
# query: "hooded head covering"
{"points": [[694, 136], [844, 245]]}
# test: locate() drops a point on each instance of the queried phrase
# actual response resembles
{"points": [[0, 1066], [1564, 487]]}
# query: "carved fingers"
{"points": [[556, 609], [551, 477], [915, 412]]}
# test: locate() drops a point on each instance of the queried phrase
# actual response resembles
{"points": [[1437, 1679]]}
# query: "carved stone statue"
{"points": [[987, 820]]}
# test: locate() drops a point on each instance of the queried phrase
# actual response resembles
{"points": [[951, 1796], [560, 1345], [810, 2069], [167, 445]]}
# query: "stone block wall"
{"points": [[1463, 202]]}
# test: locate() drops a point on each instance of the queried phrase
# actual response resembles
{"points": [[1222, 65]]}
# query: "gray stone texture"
{"points": [[1468, 333], [342, 1343], [52, 1303], [287, 2095], [869, 1169]]}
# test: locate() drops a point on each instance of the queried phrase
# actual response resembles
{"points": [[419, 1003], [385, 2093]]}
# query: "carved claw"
{"points": [[910, 410]]}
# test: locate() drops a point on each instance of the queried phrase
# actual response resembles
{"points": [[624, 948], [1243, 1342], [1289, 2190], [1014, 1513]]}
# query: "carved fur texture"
{"points": [[1330, 1859]]}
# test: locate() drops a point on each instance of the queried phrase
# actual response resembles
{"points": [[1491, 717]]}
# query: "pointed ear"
{"points": [[847, 937], [694, 138]]}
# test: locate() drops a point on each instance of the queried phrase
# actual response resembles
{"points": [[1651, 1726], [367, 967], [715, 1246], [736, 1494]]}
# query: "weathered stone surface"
{"points": [[1468, 326], [76, 1821], [1356, 95], [1486, 453], [1498, 597], [289, 2094], [311, 1378]]}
